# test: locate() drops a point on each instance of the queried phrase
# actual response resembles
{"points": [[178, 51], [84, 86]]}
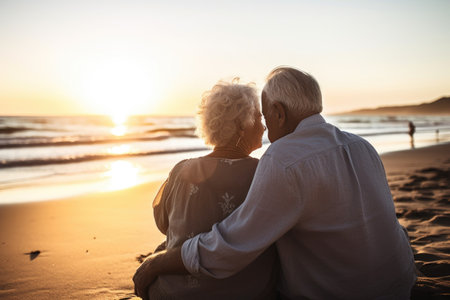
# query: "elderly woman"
{"points": [[203, 191]]}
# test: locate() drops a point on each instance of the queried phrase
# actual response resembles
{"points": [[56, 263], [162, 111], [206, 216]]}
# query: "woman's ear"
{"points": [[280, 113]]}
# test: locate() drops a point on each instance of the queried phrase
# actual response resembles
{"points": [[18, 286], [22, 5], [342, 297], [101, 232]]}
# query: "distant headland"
{"points": [[440, 106]]}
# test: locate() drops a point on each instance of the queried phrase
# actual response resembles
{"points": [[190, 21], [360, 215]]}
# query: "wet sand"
{"points": [[87, 247]]}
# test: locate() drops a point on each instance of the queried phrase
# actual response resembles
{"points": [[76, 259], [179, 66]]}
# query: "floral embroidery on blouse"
{"points": [[227, 206], [192, 281], [193, 189]]}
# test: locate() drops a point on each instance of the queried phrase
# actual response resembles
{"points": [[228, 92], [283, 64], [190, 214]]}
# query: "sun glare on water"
{"points": [[119, 120], [119, 130], [122, 149], [122, 174]]}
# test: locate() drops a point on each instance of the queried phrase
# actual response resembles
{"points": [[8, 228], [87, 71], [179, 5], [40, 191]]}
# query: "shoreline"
{"points": [[102, 176], [89, 244]]}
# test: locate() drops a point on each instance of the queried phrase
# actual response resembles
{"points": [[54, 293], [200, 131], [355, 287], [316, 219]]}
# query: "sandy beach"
{"points": [[420, 185], [87, 247]]}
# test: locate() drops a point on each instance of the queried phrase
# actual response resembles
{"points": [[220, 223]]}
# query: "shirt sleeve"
{"points": [[270, 210]]}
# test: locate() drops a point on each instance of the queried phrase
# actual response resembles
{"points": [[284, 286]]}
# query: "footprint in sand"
{"points": [[435, 269], [426, 257], [441, 220], [429, 170], [424, 198], [444, 201], [426, 193], [417, 179], [429, 185], [406, 189], [428, 239], [403, 199], [424, 214]]}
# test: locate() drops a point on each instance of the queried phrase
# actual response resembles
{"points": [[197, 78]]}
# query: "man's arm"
{"points": [[164, 262]]}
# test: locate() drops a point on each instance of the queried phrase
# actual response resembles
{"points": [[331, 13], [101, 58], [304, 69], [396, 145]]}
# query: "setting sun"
{"points": [[118, 88]]}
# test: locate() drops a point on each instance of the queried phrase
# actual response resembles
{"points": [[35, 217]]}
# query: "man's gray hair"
{"points": [[296, 89]]}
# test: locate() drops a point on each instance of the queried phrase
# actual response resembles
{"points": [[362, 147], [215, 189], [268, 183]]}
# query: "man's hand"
{"points": [[164, 262], [144, 277]]}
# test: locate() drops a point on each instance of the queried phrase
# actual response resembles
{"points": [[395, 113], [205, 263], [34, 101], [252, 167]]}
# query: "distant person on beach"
{"points": [[203, 191], [412, 130], [321, 195]]}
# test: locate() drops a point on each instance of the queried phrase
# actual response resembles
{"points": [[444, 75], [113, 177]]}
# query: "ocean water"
{"points": [[44, 158]]}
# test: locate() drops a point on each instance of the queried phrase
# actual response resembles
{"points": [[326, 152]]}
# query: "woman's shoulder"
{"points": [[179, 165], [232, 161], [229, 163], [206, 159], [186, 164], [192, 166]]}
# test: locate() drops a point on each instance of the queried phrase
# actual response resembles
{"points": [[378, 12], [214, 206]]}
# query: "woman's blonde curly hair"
{"points": [[225, 109]]}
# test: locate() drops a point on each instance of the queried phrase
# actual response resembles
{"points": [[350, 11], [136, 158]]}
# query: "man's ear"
{"points": [[280, 113]]}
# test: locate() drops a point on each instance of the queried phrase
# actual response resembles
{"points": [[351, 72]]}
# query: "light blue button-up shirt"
{"points": [[322, 196]]}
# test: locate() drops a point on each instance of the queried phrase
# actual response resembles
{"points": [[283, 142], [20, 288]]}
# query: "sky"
{"points": [[159, 57]]}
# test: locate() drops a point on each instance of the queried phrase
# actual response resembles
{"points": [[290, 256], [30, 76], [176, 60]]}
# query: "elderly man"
{"points": [[321, 195]]}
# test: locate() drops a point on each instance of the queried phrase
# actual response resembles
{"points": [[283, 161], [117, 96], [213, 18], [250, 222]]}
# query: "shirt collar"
{"points": [[310, 121]]}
